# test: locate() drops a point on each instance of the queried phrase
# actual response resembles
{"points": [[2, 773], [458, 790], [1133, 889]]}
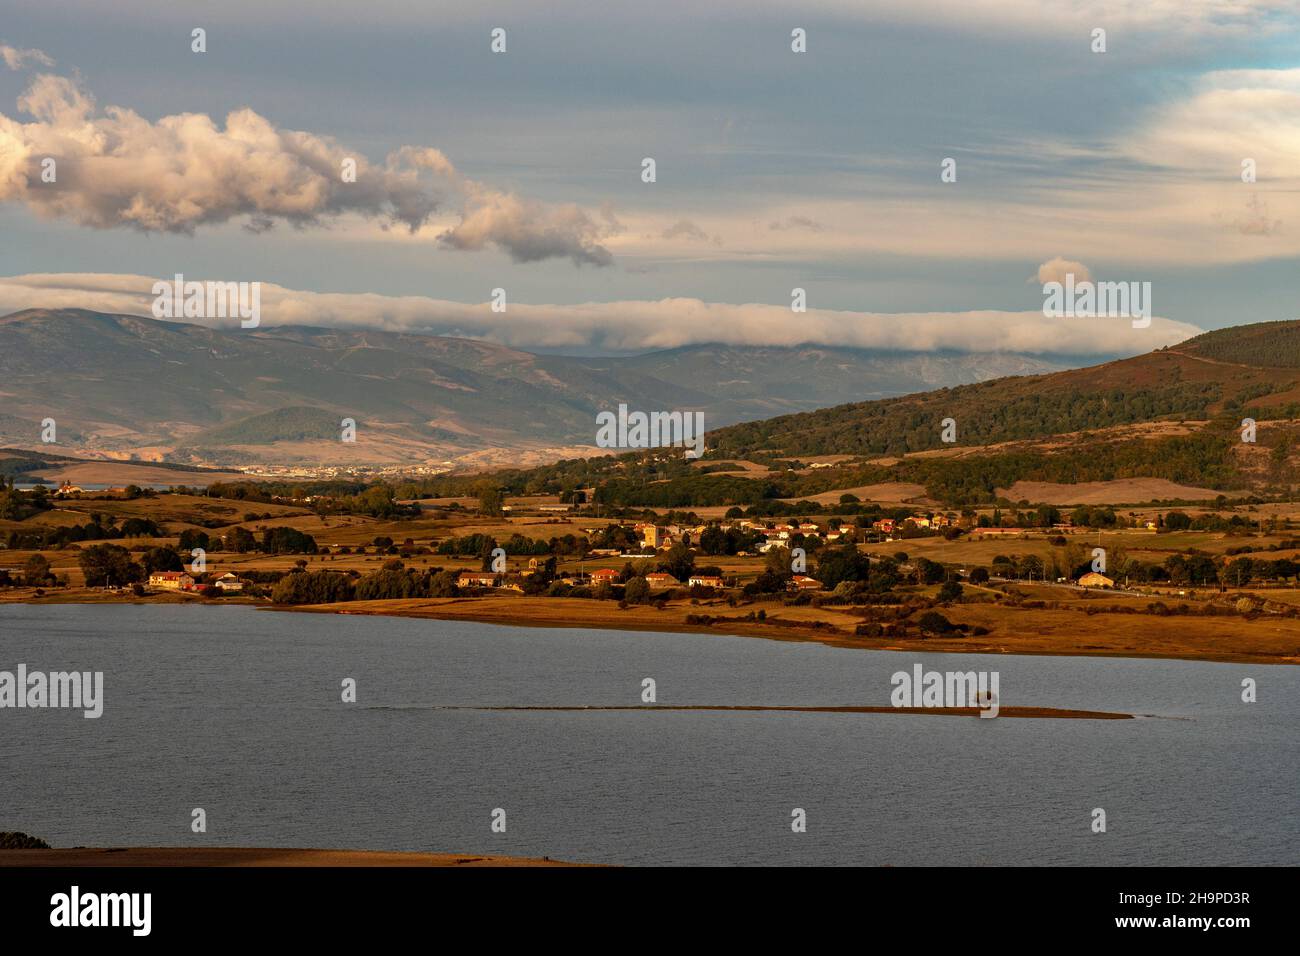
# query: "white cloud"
{"points": [[17, 59], [629, 325], [1227, 116], [117, 169], [1055, 270]]}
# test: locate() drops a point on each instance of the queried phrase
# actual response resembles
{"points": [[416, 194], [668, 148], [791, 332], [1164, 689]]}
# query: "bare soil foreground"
{"points": [[252, 856], [1012, 630]]}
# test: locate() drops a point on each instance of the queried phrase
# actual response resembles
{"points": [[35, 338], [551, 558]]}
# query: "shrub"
{"points": [[932, 622], [16, 840], [951, 591]]}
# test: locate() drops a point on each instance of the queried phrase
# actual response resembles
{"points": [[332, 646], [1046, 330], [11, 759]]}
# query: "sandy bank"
{"points": [[251, 856]]}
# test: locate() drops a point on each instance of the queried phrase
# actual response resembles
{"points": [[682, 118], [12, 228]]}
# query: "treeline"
{"points": [[987, 412], [375, 499], [481, 545], [393, 581], [1189, 570], [1265, 344], [1203, 459], [92, 530], [16, 505]]}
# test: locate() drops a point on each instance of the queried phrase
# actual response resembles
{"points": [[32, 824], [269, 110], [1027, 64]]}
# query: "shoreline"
{"points": [[171, 856], [1011, 711], [497, 611], [1050, 633]]}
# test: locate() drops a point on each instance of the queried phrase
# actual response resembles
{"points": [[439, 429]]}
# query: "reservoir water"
{"points": [[239, 711]]}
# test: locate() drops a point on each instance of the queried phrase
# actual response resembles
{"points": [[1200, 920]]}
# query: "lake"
{"points": [[238, 711]]}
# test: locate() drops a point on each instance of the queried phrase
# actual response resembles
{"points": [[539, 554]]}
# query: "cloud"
{"points": [[1226, 117], [635, 325], [530, 231], [1194, 17], [117, 169], [796, 222], [685, 229], [1055, 270], [1256, 221], [17, 59]]}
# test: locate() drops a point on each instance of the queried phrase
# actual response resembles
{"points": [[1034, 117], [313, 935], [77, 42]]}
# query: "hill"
{"points": [[1265, 344], [1187, 381], [1164, 425]]}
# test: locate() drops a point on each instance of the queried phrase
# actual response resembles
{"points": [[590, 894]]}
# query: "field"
{"points": [[1002, 617], [1119, 492]]}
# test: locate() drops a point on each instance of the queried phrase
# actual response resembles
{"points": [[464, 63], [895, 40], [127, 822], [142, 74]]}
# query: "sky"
{"points": [[775, 169]]}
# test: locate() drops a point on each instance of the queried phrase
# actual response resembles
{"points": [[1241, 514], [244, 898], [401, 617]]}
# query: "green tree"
{"points": [[843, 563], [36, 572], [241, 540], [679, 561], [108, 565], [636, 591], [312, 587], [162, 559], [489, 498], [443, 584]]}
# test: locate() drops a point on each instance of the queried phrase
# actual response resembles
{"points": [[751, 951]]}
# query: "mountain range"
{"points": [[131, 387], [1215, 415]]}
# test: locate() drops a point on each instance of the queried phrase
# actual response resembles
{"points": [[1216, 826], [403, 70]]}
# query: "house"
{"points": [[604, 576], [885, 525], [171, 580], [1094, 580], [661, 580], [67, 488], [228, 582], [472, 579], [706, 581], [801, 582]]}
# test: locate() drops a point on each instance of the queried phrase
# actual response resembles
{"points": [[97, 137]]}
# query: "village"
{"points": [[541, 545]]}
